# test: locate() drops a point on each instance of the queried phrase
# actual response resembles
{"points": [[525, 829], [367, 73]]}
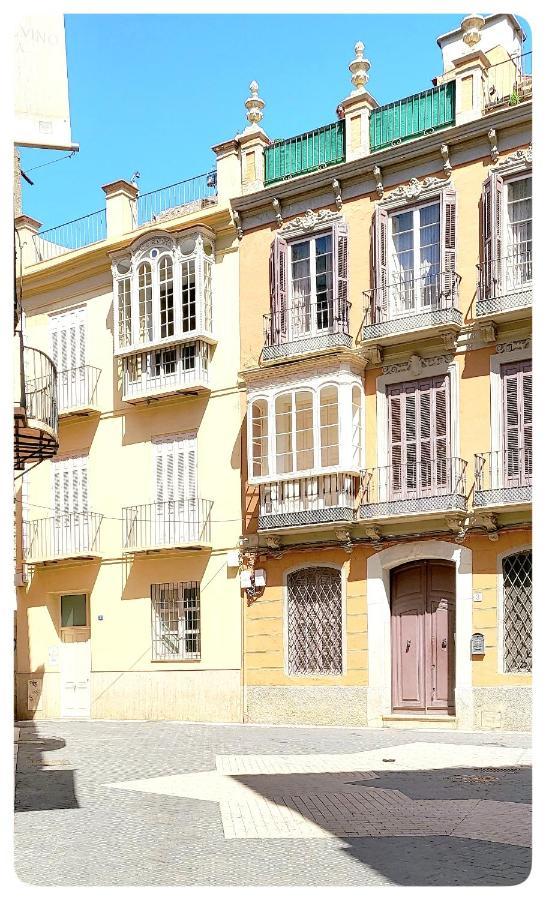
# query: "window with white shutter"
{"points": [[71, 504], [67, 334], [419, 425], [518, 424], [177, 507]]}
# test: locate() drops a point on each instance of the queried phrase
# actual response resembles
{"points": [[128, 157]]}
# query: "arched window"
{"points": [[166, 296], [260, 461], [315, 621], [124, 312], [518, 611], [145, 302], [329, 426]]}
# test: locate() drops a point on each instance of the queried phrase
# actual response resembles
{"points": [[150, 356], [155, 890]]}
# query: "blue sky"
{"points": [[153, 93]]}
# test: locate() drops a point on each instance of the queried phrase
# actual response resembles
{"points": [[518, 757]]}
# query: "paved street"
{"points": [[164, 803]]}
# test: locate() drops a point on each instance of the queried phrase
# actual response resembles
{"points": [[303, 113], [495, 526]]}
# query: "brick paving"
{"points": [[164, 803]]}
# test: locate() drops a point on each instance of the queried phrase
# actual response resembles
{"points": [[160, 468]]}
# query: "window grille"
{"points": [[518, 612], [315, 633], [176, 620]]}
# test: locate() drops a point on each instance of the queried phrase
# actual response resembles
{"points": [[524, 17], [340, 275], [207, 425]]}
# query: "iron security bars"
{"points": [[176, 620]]}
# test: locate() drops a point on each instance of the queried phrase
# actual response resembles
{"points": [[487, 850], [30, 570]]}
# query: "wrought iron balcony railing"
{"points": [[174, 523], [413, 116], [435, 485], [71, 235], [304, 327], [65, 535], [36, 410], [409, 304], [177, 199], [509, 82], [169, 370], [308, 500], [506, 282], [503, 476], [77, 388], [306, 152]]}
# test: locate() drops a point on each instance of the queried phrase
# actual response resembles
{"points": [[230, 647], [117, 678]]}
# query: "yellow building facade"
{"points": [[293, 481], [389, 460]]}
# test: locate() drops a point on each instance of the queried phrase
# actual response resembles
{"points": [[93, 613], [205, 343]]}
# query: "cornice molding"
{"points": [[309, 221], [415, 189], [515, 162]]}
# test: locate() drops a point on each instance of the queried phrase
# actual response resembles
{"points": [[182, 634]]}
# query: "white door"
{"points": [[71, 521], [75, 674], [68, 340], [177, 508]]}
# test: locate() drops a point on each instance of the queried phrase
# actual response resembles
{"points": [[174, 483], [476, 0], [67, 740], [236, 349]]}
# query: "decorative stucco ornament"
{"points": [[254, 107], [415, 188], [359, 69], [471, 27], [310, 220]]}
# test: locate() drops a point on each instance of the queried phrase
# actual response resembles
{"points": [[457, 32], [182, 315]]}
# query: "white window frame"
{"points": [[313, 303], [398, 310], [508, 180]]}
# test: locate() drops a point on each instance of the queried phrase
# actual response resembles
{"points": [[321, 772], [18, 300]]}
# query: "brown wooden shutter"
{"points": [[518, 411], [380, 262], [340, 269], [448, 243], [441, 431], [278, 286], [491, 234], [527, 420]]}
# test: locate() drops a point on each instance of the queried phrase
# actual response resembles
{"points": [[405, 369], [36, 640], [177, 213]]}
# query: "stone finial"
{"points": [[254, 107], [471, 27], [359, 69]]}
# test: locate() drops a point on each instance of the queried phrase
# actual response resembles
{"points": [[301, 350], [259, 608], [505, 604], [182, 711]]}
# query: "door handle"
{"points": [[444, 643], [408, 645]]}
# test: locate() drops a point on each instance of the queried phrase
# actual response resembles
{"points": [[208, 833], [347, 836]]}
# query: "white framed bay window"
{"points": [[163, 290], [309, 428]]}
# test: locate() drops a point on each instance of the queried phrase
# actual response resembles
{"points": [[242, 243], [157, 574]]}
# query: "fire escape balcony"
{"points": [[503, 478], [306, 327], [428, 487], [169, 525], [505, 285], [63, 537], [410, 306], [36, 410], [295, 501]]}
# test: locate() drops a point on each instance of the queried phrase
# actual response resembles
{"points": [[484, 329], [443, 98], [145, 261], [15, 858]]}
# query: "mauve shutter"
{"points": [[425, 433], [440, 423], [449, 245], [380, 263], [396, 431], [410, 462], [340, 268], [278, 285], [512, 423], [491, 233], [527, 422]]}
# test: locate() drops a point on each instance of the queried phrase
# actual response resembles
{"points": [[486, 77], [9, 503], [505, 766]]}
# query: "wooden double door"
{"points": [[423, 638]]}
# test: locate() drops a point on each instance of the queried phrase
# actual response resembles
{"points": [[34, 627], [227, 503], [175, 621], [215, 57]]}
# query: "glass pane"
{"points": [[73, 610], [283, 433]]}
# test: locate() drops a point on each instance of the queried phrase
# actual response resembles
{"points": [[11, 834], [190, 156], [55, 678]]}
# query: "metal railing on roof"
{"points": [[305, 152], [71, 235], [164, 202], [412, 117], [508, 82]]}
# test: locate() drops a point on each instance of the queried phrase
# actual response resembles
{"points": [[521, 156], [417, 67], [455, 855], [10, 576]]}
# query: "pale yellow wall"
{"points": [[118, 442]]}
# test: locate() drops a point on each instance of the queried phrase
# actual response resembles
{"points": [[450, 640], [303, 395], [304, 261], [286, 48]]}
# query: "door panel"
{"points": [[423, 645], [75, 673]]}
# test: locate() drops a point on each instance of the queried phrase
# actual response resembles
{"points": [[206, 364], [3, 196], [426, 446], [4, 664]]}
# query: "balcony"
{"points": [[505, 285], [306, 152], [66, 536], [70, 236], [306, 328], [412, 117], [177, 369], [35, 412], [503, 478], [77, 390], [428, 487], [508, 83], [308, 500], [173, 525], [412, 306]]}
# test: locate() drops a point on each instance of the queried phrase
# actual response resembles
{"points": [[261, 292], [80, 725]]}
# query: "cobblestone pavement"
{"points": [[165, 803]]}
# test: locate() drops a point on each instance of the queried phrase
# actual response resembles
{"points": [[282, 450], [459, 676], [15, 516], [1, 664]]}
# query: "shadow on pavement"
{"points": [[44, 779]]}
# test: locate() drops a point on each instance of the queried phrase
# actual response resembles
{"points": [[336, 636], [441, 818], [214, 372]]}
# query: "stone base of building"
{"points": [[503, 708], [306, 705], [192, 696]]}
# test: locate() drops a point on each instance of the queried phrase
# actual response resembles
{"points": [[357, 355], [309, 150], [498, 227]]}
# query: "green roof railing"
{"points": [[305, 152], [413, 116]]}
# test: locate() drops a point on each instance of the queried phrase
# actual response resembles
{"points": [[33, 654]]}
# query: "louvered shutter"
{"points": [[396, 428], [518, 434], [278, 286], [449, 244], [440, 423], [380, 263], [527, 423], [425, 432], [340, 268], [491, 234]]}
